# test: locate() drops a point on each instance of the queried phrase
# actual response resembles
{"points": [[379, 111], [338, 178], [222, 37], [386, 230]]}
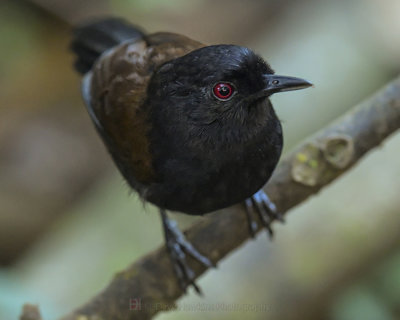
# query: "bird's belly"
{"points": [[234, 183], [210, 187]]}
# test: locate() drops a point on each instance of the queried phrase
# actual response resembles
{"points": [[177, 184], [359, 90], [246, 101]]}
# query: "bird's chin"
{"points": [[260, 102], [262, 95]]}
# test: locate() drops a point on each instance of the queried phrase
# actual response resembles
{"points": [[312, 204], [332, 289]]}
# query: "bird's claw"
{"points": [[178, 248], [260, 204]]}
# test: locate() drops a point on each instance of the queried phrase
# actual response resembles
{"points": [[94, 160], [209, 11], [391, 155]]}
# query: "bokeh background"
{"points": [[68, 221]]}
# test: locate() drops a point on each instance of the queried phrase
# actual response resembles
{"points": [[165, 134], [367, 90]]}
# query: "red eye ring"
{"points": [[223, 91]]}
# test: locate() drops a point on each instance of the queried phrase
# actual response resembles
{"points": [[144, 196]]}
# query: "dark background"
{"points": [[68, 221]]}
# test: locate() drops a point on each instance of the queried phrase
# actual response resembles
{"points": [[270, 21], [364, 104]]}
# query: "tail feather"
{"points": [[91, 40]]}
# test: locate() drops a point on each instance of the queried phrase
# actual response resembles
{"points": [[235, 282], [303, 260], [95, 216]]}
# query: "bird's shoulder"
{"points": [[128, 67]]}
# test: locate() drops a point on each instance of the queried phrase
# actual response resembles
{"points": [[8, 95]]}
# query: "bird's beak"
{"points": [[275, 83]]}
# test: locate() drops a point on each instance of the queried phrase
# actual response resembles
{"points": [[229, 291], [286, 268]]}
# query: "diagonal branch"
{"points": [[312, 165]]}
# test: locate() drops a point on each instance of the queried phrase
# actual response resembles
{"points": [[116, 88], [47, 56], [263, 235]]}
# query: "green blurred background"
{"points": [[68, 221]]}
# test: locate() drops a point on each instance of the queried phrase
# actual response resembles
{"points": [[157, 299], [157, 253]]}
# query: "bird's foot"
{"points": [[260, 204], [178, 247]]}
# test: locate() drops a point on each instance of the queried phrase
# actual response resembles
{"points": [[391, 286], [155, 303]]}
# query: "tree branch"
{"points": [[314, 164]]}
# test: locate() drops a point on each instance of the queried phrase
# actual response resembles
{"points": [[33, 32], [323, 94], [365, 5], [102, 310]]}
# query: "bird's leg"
{"points": [[178, 247], [259, 203]]}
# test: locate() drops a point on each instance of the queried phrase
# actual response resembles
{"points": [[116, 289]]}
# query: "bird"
{"points": [[189, 126]]}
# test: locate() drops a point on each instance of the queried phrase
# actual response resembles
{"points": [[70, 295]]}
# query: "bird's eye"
{"points": [[223, 91]]}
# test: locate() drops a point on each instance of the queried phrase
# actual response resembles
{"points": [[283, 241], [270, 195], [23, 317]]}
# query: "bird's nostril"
{"points": [[275, 82]]}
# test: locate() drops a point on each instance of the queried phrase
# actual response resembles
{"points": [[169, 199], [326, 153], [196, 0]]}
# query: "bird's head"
{"points": [[224, 83]]}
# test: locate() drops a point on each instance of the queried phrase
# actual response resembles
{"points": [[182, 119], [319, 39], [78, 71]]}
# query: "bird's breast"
{"points": [[205, 175]]}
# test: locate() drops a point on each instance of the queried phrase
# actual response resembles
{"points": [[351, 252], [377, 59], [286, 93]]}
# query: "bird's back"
{"points": [[115, 91]]}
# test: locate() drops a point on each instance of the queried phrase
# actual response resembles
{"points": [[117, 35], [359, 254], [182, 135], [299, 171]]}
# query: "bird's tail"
{"points": [[92, 39]]}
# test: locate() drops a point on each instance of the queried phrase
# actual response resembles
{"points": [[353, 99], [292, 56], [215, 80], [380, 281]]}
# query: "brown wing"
{"points": [[115, 92]]}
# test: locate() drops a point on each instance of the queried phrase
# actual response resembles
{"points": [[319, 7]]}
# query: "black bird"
{"points": [[189, 126]]}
